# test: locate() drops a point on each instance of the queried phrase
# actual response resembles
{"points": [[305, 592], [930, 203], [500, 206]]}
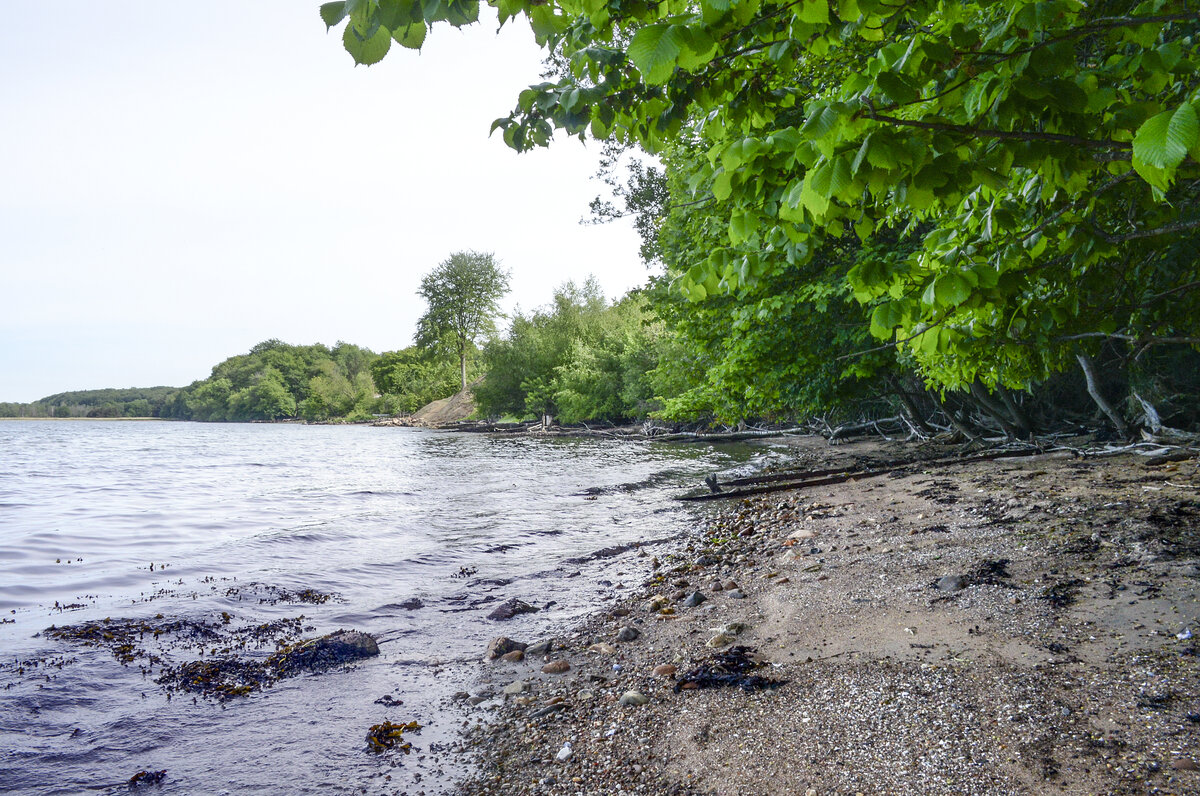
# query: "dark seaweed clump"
{"points": [[728, 669]]}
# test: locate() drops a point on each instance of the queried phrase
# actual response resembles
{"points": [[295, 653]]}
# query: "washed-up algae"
{"points": [[231, 670]]}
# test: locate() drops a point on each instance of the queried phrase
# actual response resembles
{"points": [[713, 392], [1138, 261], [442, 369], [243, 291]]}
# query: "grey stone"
{"points": [[518, 687], [633, 698], [540, 648], [694, 599], [628, 633], [952, 583]]}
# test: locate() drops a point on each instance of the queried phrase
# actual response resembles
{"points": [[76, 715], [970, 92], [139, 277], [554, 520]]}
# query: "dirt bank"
{"points": [[1015, 626]]}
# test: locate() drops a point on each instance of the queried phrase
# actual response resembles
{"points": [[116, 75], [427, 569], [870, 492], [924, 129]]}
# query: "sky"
{"points": [[179, 181]]}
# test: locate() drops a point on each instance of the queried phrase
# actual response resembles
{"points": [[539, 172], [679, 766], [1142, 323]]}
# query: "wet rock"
{"points": [[603, 648], [951, 583], [705, 561], [549, 709], [619, 612], [517, 687], [147, 778], [633, 698], [694, 599], [477, 698], [510, 608], [502, 645], [556, 667], [516, 656], [412, 604], [665, 670], [334, 649], [540, 648], [628, 633]]}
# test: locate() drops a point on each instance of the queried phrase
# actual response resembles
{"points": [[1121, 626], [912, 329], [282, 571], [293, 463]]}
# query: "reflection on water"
{"points": [[190, 520]]}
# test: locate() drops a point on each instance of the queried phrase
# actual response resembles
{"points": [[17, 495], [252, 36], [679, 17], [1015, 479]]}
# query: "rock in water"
{"points": [[510, 608], [332, 650], [502, 645]]}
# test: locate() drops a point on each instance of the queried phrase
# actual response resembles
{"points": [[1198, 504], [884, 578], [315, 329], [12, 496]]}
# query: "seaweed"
{"points": [[381, 737], [1062, 594], [728, 669]]}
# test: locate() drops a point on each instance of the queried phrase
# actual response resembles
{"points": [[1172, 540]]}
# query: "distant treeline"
{"points": [[130, 402]]}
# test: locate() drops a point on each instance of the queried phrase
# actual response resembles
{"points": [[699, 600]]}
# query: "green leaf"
{"points": [[814, 12], [369, 50], [896, 88], [951, 289], [654, 50], [1163, 141], [722, 186], [333, 13], [412, 36]]}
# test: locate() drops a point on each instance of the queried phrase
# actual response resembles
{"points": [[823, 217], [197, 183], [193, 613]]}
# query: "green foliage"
{"points": [[275, 380], [412, 378], [1038, 158], [463, 294], [577, 359]]}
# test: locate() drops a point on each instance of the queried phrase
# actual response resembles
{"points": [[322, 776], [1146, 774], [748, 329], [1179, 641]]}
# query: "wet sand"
{"points": [[1020, 626]]}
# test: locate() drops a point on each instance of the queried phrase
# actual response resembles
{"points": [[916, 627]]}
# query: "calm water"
{"points": [[192, 520]]}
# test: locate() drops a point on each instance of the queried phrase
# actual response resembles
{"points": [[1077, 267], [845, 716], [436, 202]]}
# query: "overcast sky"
{"points": [[179, 181]]}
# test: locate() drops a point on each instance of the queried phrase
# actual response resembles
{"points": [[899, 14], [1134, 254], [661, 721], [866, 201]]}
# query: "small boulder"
{"points": [[510, 608], [516, 656], [502, 645]]}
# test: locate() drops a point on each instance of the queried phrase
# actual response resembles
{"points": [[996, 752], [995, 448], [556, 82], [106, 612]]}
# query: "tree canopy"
{"points": [[1036, 161], [463, 294]]}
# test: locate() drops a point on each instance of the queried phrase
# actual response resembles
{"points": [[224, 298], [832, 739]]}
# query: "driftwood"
{"points": [[824, 477]]}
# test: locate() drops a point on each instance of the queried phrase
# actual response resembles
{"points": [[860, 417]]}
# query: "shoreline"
{"points": [[1015, 626]]}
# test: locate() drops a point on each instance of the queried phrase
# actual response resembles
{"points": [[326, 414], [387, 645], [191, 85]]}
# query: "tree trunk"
{"points": [[1016, 412], [909, 406], [462, 361], [994, 409], [1093, 388]]}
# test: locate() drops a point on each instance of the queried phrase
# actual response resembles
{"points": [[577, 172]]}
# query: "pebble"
{"points": [[729, 585], [518, 687], [628, 633], [556, 667], [603, 648], [737, 594], [694, 599], [565, 753], [1185, 764], [513, 657], [665, 670], [633, 698], [720, 640]]}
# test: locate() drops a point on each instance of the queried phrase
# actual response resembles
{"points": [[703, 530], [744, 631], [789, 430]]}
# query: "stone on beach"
{"points": [[502, 645], [633, 698], [556, 667], [516, 656], [694, 599], [628, 633], [665, 670]]}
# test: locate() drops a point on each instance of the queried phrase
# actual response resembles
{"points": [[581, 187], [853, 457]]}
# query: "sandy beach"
{"points": [[1018, 626]]}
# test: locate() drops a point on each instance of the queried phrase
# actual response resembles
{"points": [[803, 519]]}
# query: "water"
{"points": [[131, 520]]}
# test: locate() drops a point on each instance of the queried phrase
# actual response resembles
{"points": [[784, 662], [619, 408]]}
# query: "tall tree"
{"points": [[463, 294]]}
